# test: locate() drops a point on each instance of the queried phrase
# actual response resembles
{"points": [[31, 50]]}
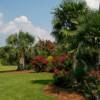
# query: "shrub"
{"points": [[39, 63], [78, 79], [50, 65], [59, 61]]}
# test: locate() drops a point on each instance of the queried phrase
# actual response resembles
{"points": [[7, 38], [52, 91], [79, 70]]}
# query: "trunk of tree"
{"points": [[21, 61]]}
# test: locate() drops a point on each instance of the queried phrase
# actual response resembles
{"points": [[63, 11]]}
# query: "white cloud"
{"points": [[24, 24], [22, 19], [93, 3]]}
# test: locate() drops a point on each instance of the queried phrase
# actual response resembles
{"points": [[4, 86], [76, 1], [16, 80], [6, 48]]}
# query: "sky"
{"points": [[33, 16]]}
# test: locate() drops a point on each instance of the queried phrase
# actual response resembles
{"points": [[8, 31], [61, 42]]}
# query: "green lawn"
{"points": [[8, 68], [23, 86]]}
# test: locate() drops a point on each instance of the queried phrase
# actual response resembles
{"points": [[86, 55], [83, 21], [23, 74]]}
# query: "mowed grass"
{"points": [[7, 68], [23, 86]]}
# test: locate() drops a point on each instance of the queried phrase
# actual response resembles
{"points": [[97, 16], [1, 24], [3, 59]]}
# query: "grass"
{"points": [[23, 86], [7, 68]]}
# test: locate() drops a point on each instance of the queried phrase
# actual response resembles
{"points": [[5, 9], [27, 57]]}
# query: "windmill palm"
{"points": [[86, 43], [68, 19]]}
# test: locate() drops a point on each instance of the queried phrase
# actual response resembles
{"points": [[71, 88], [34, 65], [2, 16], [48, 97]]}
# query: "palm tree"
{"points": [[77, 27], [68, 19], [22, 42]]}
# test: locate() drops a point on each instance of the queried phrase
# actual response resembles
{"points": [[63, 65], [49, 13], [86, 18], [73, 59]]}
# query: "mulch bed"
{"points": [[61, 94]]}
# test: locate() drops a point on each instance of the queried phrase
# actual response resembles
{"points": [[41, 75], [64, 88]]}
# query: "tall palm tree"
{"points": [[78, 27], [22, 42], [68, 19]]}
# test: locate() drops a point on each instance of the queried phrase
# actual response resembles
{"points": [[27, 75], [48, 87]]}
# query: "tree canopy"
{"points": [[23, 42]]}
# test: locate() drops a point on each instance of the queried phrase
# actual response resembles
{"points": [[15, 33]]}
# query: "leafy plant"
{"points": [[39, 63], [22, 42]]}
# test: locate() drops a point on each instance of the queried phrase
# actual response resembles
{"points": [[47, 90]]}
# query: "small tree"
{"points": [[22, 42]]}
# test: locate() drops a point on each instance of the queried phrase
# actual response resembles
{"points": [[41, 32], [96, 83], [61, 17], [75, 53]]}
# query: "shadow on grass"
{"points": [[7, 71], [43, 82]]}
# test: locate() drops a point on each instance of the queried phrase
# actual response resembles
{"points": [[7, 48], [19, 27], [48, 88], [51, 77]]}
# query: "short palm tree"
{"points": [[22, 42]]}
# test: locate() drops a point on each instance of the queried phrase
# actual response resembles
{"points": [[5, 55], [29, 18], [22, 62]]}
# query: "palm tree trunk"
{"points": [[21, 61]]}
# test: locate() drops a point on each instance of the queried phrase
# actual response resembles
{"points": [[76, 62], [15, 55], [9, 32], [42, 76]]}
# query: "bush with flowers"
{"points": [[71, 73], [50, 65], [39, 63], [55, 61], [62, 68]]}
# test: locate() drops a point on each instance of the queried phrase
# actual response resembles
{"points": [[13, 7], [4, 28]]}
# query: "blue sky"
{"points": [[33, 16], [38, 11]]}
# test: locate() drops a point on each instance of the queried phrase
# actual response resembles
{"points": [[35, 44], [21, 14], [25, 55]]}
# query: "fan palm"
{"points": [[68, 19], [22, 42], [78, 27]]}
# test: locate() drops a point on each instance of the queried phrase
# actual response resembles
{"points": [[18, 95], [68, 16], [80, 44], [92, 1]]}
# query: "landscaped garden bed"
{"points": [[62, 94]]}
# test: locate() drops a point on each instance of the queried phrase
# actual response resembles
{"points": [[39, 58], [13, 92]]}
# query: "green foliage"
{"points": [[89, 56], [39, 63], [8, 56], [44, 48], [22, 43], [59, 80], [77, 28], [68, 18], [20, 40]]}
